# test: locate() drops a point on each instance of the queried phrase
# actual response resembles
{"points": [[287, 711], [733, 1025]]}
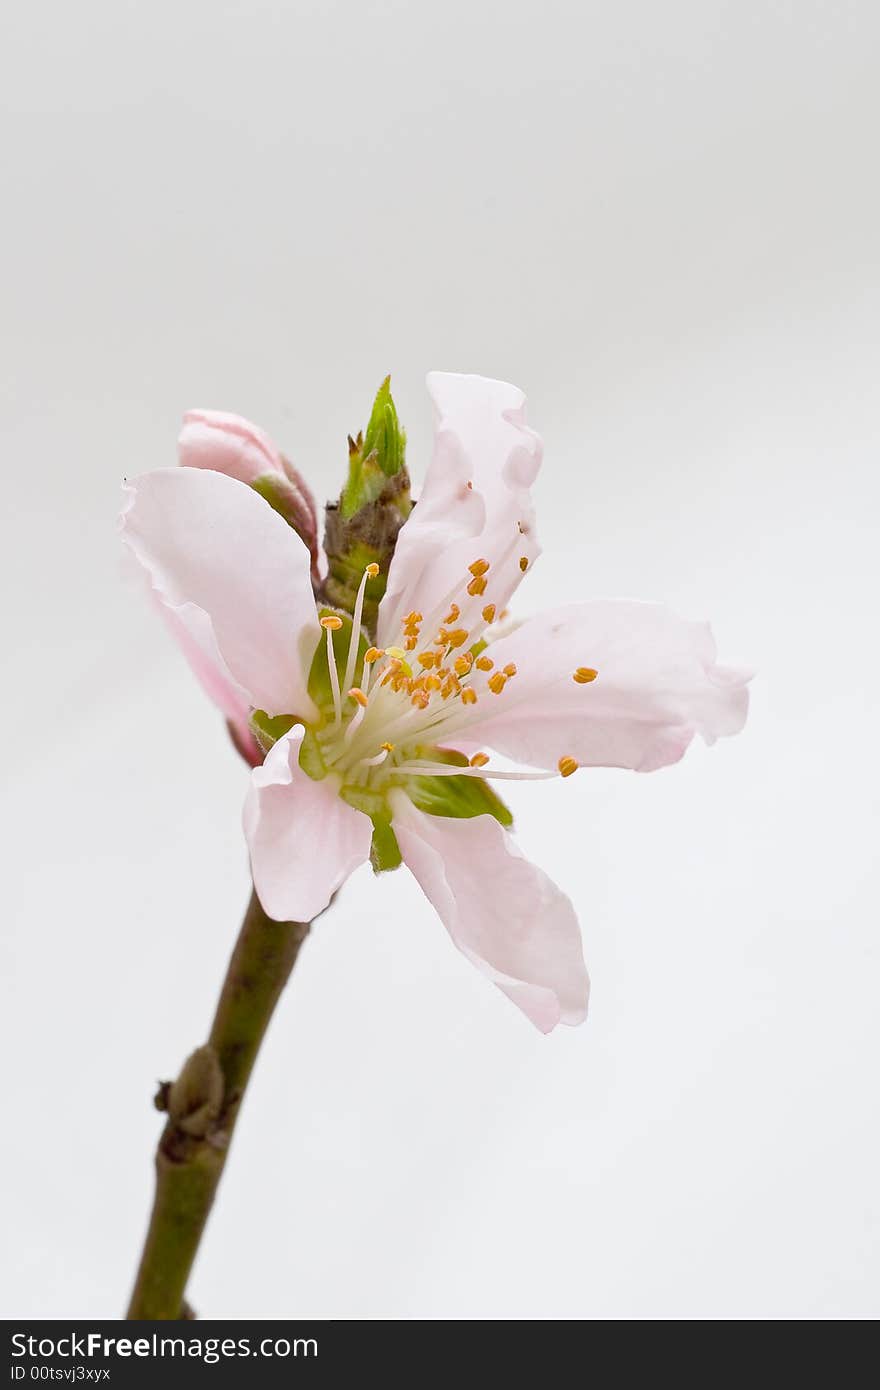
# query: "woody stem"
{"points": [[203, 1106]]}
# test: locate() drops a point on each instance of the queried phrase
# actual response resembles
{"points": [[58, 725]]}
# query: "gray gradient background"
{"points": [[661, 220]]}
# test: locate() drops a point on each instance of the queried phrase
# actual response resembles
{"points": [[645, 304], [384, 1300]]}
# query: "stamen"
{"points": [[477, 586], [489, 613], [372, 654], [478, 568], [388, 747], [479, 760], [355, 722], [457, 637], [411, 642], [523, 563], [463, 663], [584, 674], [379, 758], [497, 682], [567, 766], [351, 660], [484, 663], [510, 669], [469, 696], [332, 624], [428, 659], [358, 696], [445, 770], [453, 615]]}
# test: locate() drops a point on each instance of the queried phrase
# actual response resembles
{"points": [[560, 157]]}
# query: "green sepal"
{"points": [[384, 850], [268, 729], [373, 804], [458, 797], [319, 686], [310, 757]]}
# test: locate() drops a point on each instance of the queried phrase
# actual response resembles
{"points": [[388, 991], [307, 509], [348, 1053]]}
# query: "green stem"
{"points": [[203, 1106]]}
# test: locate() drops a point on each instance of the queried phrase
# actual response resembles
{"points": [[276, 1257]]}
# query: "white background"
{"points": [[662, 222]]}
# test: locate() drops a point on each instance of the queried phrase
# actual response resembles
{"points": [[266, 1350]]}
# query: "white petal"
{"points": [[304, 839], [502, 912], [211, 545], [658, 685], [481, 439]]}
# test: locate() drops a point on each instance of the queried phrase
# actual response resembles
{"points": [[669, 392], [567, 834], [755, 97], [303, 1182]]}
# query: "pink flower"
{"points": [[379, 749]]}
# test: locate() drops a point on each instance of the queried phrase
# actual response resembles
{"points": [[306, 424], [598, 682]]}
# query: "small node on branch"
{"points": [[196, 1097]]}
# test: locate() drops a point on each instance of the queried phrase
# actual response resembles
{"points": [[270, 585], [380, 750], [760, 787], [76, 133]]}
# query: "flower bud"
{"points": [[229, 444], [361, 528], [195, 1099]]}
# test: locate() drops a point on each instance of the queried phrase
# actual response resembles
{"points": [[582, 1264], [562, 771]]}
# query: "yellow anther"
{"points": [[479, 567], [331, 623], [358, 696], [372, 570], [497, 682], [433, 683], [479, 760], [450, 687], [453, 615], [477, 586], [489, 613], [463, 663], [510, 669], [567, 766], [584, 674], [421, 699], [387, 747], [484, 663], [372, 654], [412, 618], [468, 696], [428, 659], [523, 563], [411, 643], [457, 637]]}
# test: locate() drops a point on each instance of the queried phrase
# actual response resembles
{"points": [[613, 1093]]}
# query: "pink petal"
{"points": [[481, 439], [304, 839], [199, 646], [236, 575], [227, 444], [502, 912], [658, 686]]}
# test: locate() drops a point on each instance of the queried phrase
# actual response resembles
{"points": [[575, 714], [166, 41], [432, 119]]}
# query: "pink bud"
{"points": [[229, 444]]}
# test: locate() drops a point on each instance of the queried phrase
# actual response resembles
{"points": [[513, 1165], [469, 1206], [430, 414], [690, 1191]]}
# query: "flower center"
{"points": [[419, 693]]}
